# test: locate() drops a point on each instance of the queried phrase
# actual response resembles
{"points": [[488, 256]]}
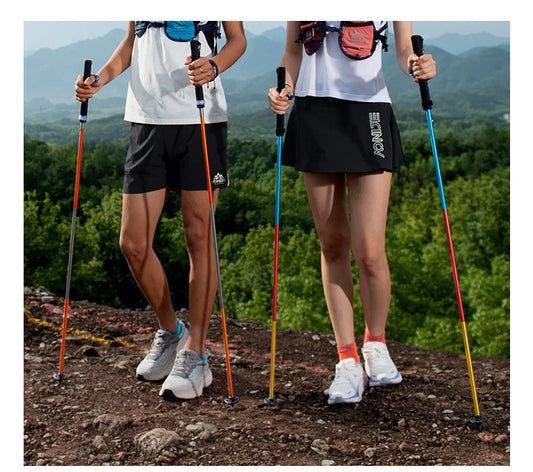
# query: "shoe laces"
{"points": [[158, 345], [185, 364], [377, 354], [376, 351], [345, 370]]}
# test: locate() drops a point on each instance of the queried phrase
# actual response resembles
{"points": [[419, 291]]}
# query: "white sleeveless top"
{"points": [[329, 73], [159, 91]]}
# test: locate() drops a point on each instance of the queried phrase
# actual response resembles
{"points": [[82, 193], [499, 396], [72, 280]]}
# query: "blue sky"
{"points": [[54, 34]]}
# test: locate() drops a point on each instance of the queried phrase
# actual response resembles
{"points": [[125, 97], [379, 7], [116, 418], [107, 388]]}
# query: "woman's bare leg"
{"points": [[327, 198], [369, 199]]}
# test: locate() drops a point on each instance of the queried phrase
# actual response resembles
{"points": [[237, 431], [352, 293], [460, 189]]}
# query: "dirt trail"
{"points": [[101, 415]]}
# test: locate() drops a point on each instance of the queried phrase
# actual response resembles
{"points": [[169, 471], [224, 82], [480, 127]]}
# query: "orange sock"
{"points": [[348, 350], [370, 338]]}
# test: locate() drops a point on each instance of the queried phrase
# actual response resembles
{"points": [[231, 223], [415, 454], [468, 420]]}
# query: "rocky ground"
{"points": [[101, 415]]}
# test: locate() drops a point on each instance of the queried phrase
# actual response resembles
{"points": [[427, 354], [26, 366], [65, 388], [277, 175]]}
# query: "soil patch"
{"points": [[101, 415]]}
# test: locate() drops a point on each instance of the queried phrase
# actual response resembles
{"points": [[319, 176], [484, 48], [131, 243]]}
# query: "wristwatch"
{"points": [[214, 69]]}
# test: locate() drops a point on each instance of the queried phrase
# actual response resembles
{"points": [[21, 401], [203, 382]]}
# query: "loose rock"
{"points": [[151, 443]]}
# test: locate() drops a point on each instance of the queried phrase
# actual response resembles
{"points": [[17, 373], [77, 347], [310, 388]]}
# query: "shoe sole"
{"points": [[143, 379], [169, 395], [373, 382], [353, 399]]}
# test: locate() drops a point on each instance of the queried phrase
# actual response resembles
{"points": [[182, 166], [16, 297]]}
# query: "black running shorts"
{"points": [[341, 136], [171, 156]]}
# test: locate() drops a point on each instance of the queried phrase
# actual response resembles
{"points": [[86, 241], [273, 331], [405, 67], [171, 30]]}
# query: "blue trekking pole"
{"points": [[427, 104], [280, 131], [83, 119]]}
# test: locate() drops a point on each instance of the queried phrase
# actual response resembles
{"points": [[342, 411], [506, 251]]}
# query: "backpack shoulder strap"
{"points": [[381, 34], [211, 30]]}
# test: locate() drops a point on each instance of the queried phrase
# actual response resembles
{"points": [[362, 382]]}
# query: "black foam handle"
{"points": [[85, 105], [195, 54], [280, 124], [418, 48]]}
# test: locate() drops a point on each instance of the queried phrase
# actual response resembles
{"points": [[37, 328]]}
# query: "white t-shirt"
{"points": [[159, 91], [329, 73]]}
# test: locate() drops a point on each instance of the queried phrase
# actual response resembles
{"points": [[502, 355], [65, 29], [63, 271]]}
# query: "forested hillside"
{"points": [[423, 310]]}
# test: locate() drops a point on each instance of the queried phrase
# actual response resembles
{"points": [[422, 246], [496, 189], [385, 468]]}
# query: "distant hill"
{"points": [[50, 73], [473, 77], [460, 43]]}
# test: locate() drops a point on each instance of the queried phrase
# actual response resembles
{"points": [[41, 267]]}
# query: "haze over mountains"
{"points": [[473, 74]]}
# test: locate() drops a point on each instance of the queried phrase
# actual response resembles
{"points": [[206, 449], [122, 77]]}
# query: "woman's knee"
{"points": [[334, 244], [372, 262]]}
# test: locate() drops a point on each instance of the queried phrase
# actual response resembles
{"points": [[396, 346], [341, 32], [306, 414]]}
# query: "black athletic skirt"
{"points": [[341, 136]]}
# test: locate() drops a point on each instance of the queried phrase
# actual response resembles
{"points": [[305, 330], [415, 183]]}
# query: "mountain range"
{"points": [[473, 74]]}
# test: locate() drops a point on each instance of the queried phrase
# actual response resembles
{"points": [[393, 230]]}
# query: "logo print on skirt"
{"points": [[376, 133]]}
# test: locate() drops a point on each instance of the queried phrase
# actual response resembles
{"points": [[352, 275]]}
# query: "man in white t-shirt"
{"points": [[165, 153]]}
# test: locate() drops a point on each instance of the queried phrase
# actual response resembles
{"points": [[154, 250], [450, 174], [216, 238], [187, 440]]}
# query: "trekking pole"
{"points": [[280, 130], [427, 104], [83, 119], [200, 103]]}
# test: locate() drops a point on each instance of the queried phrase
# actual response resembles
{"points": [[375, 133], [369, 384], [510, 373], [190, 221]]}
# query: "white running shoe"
{"points": [[349, 383], [189, 376], [379, 366], [159, 361]]}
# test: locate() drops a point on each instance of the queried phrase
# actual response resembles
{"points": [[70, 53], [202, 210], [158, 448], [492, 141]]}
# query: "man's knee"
{"points": [[133, 250], [197, 236]]}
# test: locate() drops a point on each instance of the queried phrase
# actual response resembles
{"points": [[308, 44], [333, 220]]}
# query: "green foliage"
{"points": [[248, 280], [423, 311], [46, 239], [99, 256], [489, 294]]}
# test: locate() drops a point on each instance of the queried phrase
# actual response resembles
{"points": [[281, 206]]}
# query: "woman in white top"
{"points": [[165, 153], [342, 135]]}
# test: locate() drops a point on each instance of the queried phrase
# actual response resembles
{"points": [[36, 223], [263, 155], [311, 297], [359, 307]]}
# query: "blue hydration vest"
{"points": [[183, 31]]}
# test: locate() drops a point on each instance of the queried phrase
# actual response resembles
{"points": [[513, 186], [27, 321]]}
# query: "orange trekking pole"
{"points": [[83, 120], [200, 103]]}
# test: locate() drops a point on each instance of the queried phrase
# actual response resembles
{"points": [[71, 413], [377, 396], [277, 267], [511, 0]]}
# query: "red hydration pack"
{"points": [[357, 39]]}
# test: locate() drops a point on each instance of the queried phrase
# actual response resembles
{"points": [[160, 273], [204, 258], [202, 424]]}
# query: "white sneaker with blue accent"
{"points": [[349, 383], [189, 376], [379, 366], [160, 358]]}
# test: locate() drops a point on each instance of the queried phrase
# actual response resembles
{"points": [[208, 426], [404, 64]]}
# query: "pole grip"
{"points": [[280, 124], [418, 48], [195, 54], [85, 105]]}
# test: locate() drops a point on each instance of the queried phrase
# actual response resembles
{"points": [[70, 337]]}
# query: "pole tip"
{"points": [[270, 401], [60, 377], [231, 400], [477, 420]]}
